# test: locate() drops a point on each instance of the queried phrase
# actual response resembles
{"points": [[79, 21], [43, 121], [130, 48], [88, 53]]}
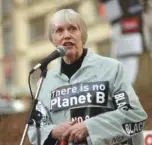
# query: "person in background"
{"points": [[87, 97]]}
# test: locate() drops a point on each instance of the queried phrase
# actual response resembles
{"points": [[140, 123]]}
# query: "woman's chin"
{"points": [[70, 56], [70, 53]]}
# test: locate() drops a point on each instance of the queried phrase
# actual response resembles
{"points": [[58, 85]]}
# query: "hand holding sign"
{"points": [[76, 133], [58, 131]]}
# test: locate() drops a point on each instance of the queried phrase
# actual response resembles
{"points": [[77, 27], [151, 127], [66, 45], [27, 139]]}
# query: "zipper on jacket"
{"points": [[65, 78], [69, 81]]}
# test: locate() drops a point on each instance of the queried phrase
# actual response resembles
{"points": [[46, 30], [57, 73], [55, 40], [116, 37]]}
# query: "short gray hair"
{"points": [[70, 16]]}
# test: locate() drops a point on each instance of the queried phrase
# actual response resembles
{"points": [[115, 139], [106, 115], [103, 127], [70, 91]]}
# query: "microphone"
{"points": [[59, 52]]}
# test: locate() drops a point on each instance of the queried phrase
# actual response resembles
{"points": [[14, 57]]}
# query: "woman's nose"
{"points": [[66, 34]]}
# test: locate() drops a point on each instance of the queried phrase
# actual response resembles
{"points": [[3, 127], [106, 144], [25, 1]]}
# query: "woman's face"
{"points": [[69, 36]]}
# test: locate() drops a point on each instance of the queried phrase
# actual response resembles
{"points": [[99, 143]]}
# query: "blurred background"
{"points": [[121, 29]]}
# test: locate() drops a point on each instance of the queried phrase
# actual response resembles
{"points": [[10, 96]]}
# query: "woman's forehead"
{"points": [[65, 24]]}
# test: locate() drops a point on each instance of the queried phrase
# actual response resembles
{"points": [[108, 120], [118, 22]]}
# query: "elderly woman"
{"points": [[88, 97]]}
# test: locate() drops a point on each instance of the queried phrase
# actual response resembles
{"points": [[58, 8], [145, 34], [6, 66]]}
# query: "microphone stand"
{"points": [[34, 115]]}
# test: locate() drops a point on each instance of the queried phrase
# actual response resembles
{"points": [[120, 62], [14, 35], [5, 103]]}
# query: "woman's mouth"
{"points": [[68, 45]]}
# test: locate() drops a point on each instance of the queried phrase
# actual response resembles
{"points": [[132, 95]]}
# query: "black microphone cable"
{"points": [[29, 83]]}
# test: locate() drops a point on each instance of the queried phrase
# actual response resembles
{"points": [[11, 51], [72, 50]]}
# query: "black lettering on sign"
{"points": [[80, 94], [133, 128], [121, 140], [121, 100], [83, 113], [117, 140]]}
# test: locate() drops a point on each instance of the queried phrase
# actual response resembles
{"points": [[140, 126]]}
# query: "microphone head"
{"points": [[62, 50]]}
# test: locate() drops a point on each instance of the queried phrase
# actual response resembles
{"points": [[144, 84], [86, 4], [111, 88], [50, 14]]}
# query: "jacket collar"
{"points": [[57, 68]]}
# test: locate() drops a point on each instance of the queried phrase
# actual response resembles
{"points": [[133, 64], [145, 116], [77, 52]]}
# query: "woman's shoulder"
{"points": [[96, 58]]}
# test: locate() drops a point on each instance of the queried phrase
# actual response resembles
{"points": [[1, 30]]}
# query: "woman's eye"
{"points": [[59, 30], [72, 29]]}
